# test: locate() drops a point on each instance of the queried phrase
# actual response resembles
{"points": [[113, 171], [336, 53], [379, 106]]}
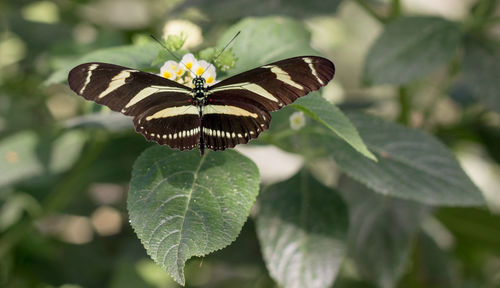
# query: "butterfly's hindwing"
{"points": [[228, 123], [182, 132]]}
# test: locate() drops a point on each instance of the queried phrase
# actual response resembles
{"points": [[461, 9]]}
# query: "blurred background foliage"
{"points": [[63, 219]]}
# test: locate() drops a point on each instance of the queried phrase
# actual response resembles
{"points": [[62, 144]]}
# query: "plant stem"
{"points": [[63, 191], [404, 106], [396, 8], [370, 11], [492, 20]]}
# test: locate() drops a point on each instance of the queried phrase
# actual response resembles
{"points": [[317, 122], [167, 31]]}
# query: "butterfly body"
{"points": [[220, 116]]}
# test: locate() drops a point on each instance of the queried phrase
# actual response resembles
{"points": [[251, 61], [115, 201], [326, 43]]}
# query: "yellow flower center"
{"points": [[199, 71], [167, 74], [210, 80], [179, 72], [189, 65]]}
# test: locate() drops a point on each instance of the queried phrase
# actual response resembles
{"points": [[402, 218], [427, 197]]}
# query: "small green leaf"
{"points": [[208, 54], [18, 157], [182, 205], [264, 40], [411, 164], [66, 150], [302, 228], [410, 48], [175, 42], [381, 232], [226, 60], [481, 70], [331, 117], [111, 121], [132, 56]]}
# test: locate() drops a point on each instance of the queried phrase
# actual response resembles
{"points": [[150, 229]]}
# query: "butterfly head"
{"points": [[199, 84]]}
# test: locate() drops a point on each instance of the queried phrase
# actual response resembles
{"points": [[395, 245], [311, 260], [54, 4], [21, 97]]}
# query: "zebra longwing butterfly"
{"points": [[220, 116]]}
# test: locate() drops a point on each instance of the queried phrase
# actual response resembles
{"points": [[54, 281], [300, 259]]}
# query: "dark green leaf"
{"points": [[264, 40], [331, 117], [411, 164], [132, 56], [381, 232], [433, 267], [473, 228], [481, 72], [409, 48], [302, 227], [182, 205], [232, 10]]}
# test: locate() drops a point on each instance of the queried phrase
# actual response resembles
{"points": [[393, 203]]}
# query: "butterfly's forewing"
{"points": [[244, 100], [161, 108]]}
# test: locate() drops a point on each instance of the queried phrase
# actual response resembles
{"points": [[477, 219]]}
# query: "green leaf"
{"points": [[410, 48], [132, 56], [25, 155], [381, 232], [411, 164], [481, 70], [182, 205], [264, 40], [302, 228], [332, 118]]}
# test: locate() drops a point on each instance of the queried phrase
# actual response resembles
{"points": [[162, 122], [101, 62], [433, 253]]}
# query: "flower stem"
{"points": [[370, 11]]}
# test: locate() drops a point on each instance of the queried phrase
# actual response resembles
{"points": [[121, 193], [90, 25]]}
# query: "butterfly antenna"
{"points": [[223, 49], [169, 51]]}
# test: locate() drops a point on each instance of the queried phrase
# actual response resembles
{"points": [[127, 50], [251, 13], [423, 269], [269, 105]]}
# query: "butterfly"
{"points": [[230, 112]]}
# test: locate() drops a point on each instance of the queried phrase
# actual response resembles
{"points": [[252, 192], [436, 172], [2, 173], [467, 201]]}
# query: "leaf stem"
{"points": [[404, 106], [370, 11]]}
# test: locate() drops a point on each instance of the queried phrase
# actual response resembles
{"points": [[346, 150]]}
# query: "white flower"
{"points": [[169, 69], [206, 70], [210, 75], [188, 61], [176, 71], [297, 120], [176, 27]]}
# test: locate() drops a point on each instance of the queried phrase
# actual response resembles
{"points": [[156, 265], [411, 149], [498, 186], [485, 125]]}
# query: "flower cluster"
{"points": [[189, 68]]}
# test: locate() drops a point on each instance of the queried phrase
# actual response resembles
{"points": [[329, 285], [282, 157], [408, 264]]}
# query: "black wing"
{"points": [[162, 109], [238, 107]]}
